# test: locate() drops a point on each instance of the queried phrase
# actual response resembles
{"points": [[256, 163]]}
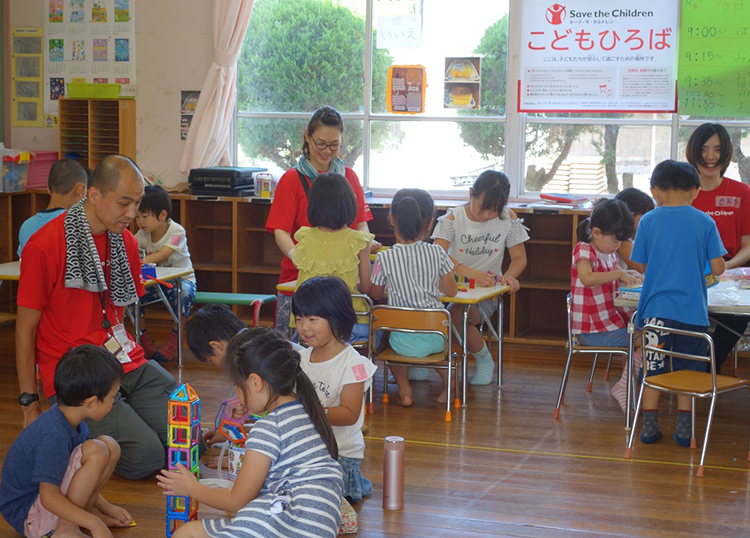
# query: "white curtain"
{"points": [[208, 139]]}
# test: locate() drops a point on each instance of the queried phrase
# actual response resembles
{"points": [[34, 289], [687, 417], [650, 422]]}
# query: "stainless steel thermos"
{"points": [[393, 473]]}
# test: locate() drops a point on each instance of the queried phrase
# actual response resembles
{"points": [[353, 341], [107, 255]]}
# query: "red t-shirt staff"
{"points": [[321, 143]]}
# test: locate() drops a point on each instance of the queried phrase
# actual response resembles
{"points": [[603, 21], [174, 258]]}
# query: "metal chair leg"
{"points": [[699, 472], [609, 365], [693, 442], [591, 375], [736, 363], [385, 382], [563, 382], [631, 437]]}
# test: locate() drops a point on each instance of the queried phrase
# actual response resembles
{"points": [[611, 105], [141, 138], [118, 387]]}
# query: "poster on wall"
{"points": [[26, 77], [714, 60], [462, 82], [188, 102], [406, 88], [87, 41], [593, 56]]}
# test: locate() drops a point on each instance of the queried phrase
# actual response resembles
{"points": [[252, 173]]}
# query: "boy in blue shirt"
{"points": [[53, 473], [674, 242], [66, 185]]}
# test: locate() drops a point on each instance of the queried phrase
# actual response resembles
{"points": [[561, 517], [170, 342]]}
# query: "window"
{"points": [[299, 55]]}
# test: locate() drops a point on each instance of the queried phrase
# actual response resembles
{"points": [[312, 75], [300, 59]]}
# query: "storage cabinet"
{"points": [[91, 129], [232, 252]]}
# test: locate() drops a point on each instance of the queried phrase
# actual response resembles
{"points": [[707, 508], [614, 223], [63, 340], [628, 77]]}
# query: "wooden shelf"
{"points": [[547, 242], [261, 269], [213, 227], [541, 283], [225, 266]]}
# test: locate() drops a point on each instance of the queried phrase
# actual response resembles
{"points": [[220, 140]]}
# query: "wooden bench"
{"points": [[256, 300]]}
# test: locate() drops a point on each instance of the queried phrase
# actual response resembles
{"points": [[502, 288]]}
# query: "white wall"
{"points": [[174, 48]]}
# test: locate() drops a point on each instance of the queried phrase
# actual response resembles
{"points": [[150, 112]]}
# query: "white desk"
{"points": [[466, 298], [12, 271]]}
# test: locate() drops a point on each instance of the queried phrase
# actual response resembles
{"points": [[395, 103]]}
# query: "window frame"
{"points": [[514, 122]]}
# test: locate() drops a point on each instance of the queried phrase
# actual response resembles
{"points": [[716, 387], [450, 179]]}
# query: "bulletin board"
{"points": [[714, 59], [87, 41], [26, 77]]}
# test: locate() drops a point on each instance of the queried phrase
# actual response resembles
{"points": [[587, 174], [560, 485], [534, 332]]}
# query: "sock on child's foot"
{"points": [[683, 428], [650, 432], [168, 352], [147, 343], [485, 367], [620, 392]]}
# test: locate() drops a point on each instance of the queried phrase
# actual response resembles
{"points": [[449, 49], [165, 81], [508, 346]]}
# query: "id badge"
{"points": [[122, 337], [114, 347]]}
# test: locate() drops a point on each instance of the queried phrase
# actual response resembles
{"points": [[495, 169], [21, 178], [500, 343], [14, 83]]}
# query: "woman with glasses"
{"points": [[321, 143]]}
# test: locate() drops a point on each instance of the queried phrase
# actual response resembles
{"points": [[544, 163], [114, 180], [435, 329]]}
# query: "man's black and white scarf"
{"points": [[83, 267]]}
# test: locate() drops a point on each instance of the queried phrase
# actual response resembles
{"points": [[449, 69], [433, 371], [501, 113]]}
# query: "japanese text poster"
{"points": [[714, 61], [87, 41], [593, 56]]}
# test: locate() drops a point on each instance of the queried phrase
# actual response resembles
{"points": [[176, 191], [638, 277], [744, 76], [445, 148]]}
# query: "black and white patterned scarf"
{"points": [[83, 267]]}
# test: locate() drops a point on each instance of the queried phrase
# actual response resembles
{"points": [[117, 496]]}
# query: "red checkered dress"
{"points": [[593, 309]]}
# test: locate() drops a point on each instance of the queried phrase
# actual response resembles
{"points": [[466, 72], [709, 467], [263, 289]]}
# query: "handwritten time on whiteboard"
{"points": [[714, 58]]}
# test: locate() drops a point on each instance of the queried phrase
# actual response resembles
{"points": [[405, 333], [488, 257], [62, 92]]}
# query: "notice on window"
{"points": [[403, 32], [582, 57], [406, 87], [26, 77], [714, 60]]}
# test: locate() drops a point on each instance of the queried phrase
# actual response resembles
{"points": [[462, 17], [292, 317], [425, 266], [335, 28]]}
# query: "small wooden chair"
{"points": [[686, 382], [573, 347], [391, 319]]}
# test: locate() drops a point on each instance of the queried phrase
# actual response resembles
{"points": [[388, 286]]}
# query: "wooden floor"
{"points": [[504, 466]]}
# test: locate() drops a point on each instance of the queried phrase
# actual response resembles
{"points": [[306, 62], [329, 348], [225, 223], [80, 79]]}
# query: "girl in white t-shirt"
{"points": [[475, 236], [322, 308]]}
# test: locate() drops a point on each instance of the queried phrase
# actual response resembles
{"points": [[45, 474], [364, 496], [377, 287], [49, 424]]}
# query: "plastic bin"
{"points": [[16, 170], [77, 90], [39, 169]]}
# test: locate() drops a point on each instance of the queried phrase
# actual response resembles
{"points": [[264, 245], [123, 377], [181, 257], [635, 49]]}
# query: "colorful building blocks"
{"points": [[184, 440]]}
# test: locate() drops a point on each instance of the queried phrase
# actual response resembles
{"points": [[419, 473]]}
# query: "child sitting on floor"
{"points": [[66, 185], [53, 472], [164, 243]]}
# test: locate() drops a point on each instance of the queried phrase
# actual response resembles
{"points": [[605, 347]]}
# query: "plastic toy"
{"points": [[183, 439]]}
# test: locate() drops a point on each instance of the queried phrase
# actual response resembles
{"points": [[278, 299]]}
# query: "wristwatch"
{"points": [[26, 399]]}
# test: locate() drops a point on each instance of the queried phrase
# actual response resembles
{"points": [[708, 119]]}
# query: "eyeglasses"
{"points": [[322, 145]]}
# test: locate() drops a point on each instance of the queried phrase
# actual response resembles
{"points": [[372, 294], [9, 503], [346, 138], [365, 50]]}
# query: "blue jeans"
{"points": [[616, 338], [188, 296]]}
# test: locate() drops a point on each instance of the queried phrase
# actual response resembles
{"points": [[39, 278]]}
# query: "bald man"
{"points": [[78, 273]]}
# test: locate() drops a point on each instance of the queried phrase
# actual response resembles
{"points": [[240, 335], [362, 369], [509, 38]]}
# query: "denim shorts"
{"points": [[616, 338]]}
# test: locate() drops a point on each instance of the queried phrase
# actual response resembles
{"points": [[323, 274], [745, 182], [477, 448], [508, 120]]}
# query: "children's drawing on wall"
{"points": [[56, 50], [27, 89], [100, 50], [78, 50], [98, 12], [122, 10], [56, 88], [77, 11], [122, 50], [188, 102], [55, 10], [28, 67]]}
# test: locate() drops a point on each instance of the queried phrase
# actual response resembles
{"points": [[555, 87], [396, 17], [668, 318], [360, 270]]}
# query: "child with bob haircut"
{"points": [[164, 243], [289, 483], [674, 242], [324, 315], [639, 203], [414, 273], [53, 472], [330, 246], [475, 236]]}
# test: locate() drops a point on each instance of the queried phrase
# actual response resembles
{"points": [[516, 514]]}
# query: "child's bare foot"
{"points": [[405, 400], [110, 522], [442, 397]]}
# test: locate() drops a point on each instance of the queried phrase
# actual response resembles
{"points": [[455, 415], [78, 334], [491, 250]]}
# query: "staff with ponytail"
{"points": [[290, 483]]}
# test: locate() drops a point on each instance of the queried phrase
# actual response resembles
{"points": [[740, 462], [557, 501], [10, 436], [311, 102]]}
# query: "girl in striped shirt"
{"points": [[414, 273], [290, 483]]}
